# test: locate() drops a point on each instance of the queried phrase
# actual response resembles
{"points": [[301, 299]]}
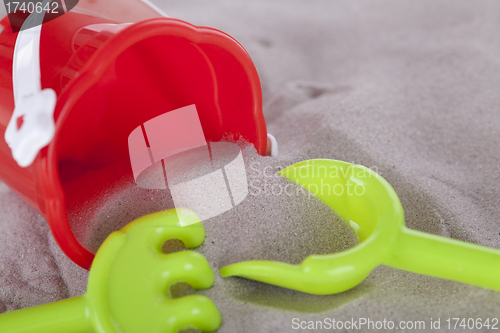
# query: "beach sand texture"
{"points": [[409, 88]]}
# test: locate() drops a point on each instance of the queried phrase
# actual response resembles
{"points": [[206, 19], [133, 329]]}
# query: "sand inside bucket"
{"points": [[280, 219]]}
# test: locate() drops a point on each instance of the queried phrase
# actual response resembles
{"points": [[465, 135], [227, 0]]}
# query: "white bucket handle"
{"points": [[32, 104]]}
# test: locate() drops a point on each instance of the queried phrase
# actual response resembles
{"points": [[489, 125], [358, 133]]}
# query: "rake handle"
{"points": [[446, 258], [66, 316]]}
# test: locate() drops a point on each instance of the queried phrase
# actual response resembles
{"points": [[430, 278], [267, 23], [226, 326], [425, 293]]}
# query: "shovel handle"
{"points": [[446, 258], [66, 316]]}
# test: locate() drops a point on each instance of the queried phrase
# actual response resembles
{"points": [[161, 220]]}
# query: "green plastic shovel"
{"points": [[372, 207], [129, 284]]}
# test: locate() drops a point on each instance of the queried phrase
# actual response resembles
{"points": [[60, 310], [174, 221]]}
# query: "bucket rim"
{"points": [[91, 72]]}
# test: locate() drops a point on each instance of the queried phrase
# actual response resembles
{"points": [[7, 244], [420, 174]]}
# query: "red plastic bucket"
{"points": [[109, 79]]}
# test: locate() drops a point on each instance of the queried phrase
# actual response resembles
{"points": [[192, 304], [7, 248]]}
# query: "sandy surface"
{"points": [[409, 88]]}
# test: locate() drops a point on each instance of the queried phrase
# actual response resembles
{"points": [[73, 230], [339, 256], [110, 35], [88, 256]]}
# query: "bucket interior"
{"points": [[150, 78]]}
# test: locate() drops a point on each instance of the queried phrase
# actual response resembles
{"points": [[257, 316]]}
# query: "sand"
{"points": [[408, 88]]}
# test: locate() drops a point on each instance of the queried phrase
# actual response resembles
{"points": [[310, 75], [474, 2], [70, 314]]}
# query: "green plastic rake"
{"points": [[129, 284]]}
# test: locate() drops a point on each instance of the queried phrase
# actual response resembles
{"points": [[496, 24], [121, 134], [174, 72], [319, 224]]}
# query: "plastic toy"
{"points": [[98, 79], [129, 282], [372, 207]]}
